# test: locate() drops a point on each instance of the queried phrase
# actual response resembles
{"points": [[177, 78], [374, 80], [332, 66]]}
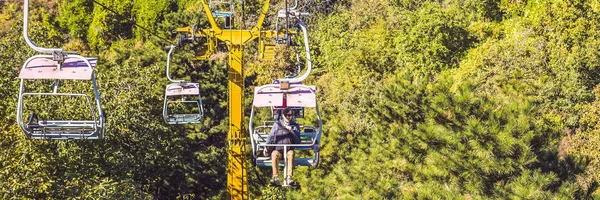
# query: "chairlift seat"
{"points": [[61, 125], [182, 89], [306, 137], [70, 68], [46, 68]]}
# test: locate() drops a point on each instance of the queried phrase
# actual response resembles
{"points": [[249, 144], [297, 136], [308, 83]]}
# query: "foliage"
{"points": [[420, 100]]}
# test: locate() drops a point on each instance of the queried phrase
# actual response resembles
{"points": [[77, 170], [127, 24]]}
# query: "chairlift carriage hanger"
{"points": [[286, 14], [290, 17], [56, 64], [179, 89]]}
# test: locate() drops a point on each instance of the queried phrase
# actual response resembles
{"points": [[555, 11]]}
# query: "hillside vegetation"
{"points": [[450, 99]]}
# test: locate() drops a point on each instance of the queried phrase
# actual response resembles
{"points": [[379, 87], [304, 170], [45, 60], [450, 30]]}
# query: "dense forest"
{"points": [[452, 99]]}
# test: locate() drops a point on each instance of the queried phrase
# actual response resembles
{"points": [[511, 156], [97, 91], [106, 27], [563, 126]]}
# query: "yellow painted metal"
{"points": [[237, 37], [237, 183], [226, 35]]}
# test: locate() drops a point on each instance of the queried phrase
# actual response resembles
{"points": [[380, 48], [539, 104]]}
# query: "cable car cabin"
{"points": [[186, 97], [299, 97], [183, 103], [68, 67]]}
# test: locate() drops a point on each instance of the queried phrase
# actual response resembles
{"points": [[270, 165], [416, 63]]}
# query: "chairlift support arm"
{"points": [[26, 34]]}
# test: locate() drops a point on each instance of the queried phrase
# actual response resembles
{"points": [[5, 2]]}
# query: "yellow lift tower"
{"points": [[237, 183]]}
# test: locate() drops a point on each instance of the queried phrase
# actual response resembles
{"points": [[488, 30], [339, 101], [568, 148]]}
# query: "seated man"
{"points": [[284, 131]]}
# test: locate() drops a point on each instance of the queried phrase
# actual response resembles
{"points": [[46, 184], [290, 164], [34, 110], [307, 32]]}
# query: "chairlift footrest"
{"points": [[222, 14], [61, 137], [183, 119], [266, 162]]}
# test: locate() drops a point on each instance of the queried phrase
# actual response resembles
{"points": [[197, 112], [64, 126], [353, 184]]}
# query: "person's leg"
{"points": [[290, 160], [275, 157], [290, 167]]}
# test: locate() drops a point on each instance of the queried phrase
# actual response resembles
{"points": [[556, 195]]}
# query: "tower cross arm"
{"points": [[201, 32]]}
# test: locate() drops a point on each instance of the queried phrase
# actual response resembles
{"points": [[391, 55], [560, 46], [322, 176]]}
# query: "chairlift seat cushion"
{"points": [[295, 96], [301, 99], [46, 68], [268, 99]]}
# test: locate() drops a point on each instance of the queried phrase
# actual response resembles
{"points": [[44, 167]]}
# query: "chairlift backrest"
{"points": [[71, 69], [297, 96]]}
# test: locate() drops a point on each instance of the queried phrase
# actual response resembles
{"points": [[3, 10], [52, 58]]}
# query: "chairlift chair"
{"points": [[181, 92], [55, 64], [297, 96], [73, 67], [291, 93]]}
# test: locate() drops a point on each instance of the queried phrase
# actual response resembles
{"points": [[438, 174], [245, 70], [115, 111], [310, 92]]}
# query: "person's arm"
{"points": [[279, 133], [296, 134], [272, 133]]}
